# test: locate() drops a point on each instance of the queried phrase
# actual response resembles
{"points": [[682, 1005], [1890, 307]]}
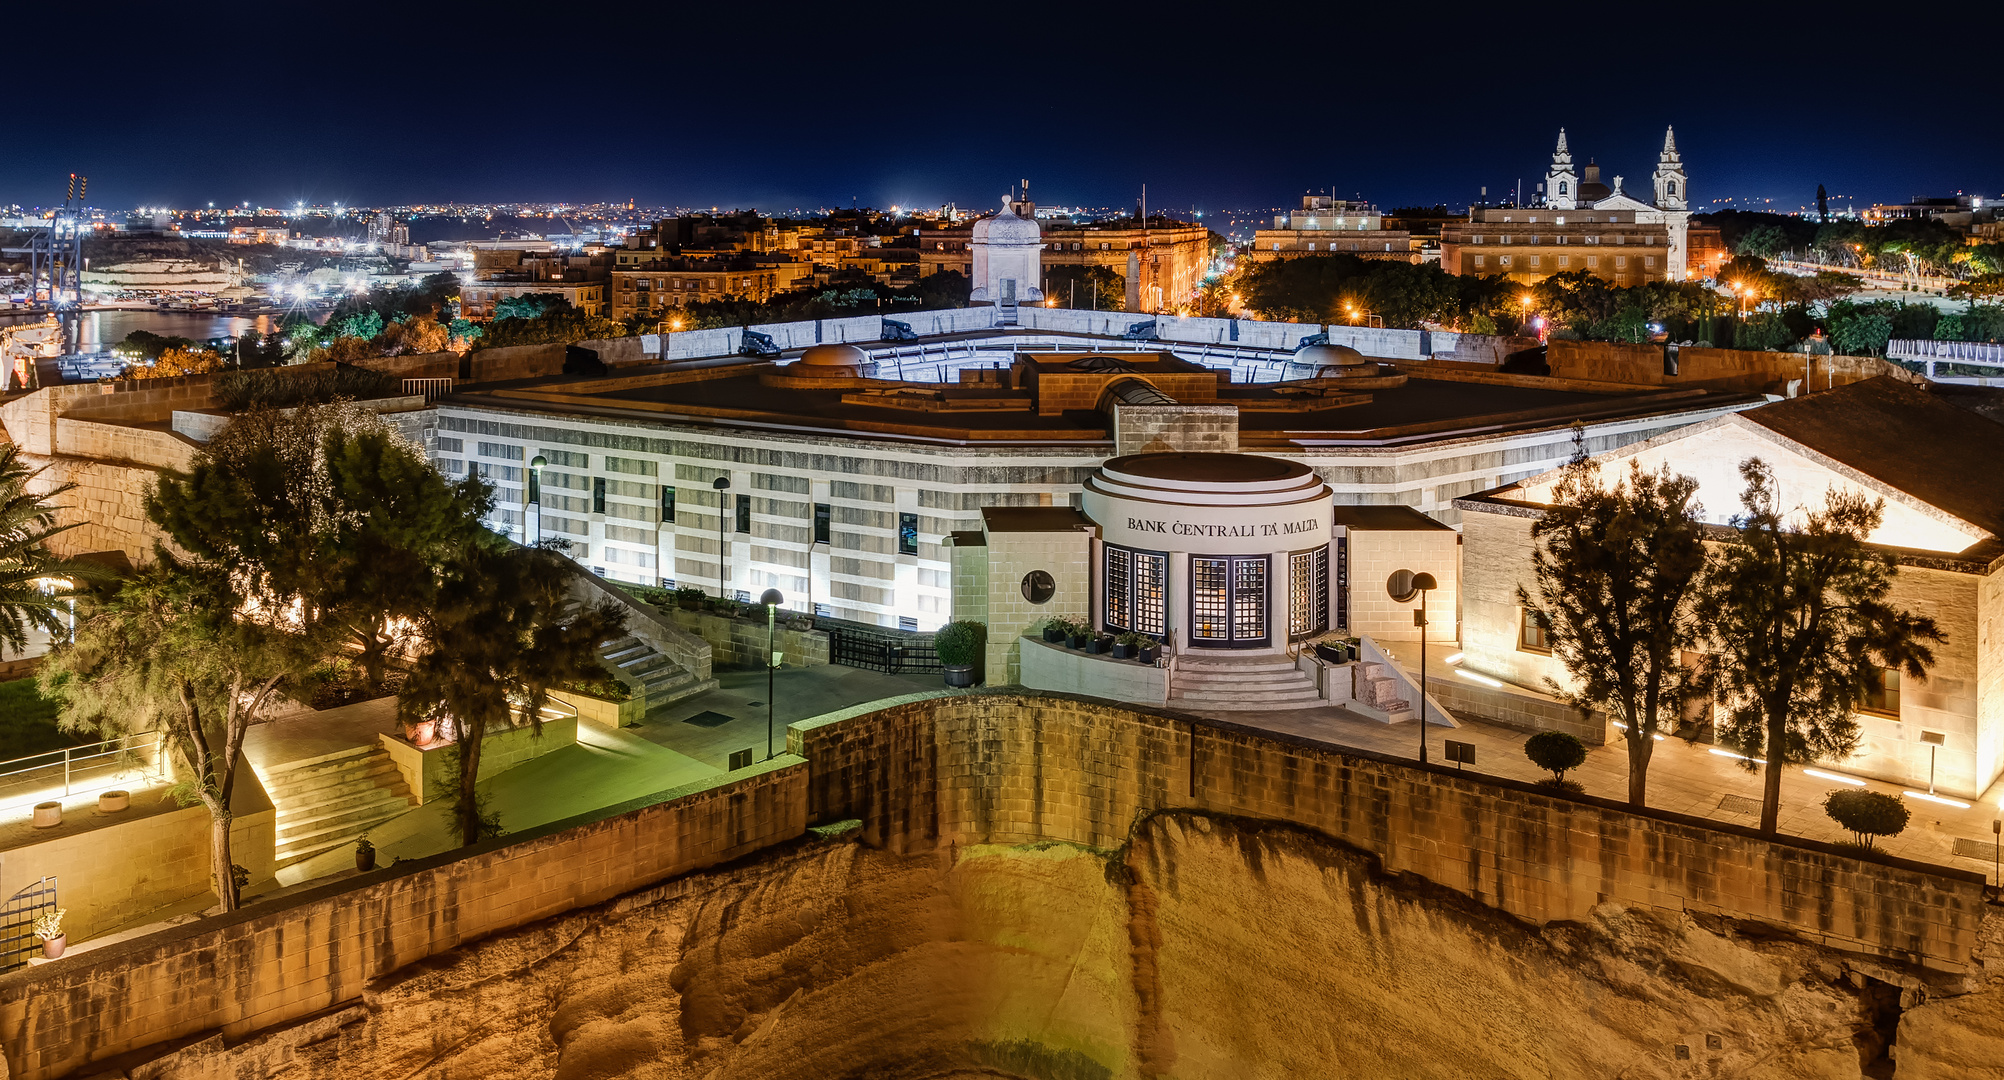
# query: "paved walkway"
{"points": [[798, 693], [1683, 778]]}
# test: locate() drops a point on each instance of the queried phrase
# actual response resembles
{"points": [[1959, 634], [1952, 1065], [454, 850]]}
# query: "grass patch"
{"points": [[28, 722]]}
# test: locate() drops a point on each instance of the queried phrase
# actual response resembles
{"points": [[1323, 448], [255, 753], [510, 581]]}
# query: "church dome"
{"points": [[834, 356], [1321, 356]]}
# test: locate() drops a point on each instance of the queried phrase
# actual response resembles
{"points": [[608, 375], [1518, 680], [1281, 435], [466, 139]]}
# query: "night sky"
{"points": [[778, 106]]}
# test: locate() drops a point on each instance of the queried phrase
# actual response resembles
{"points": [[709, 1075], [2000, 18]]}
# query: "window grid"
{"points": [[1209, 582], [1248, 599], [1308, 610], [1151, 593], [1119, 588]]}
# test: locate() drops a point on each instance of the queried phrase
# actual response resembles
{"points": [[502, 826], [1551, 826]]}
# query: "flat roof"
{"points": [[1207, 468], [1033, 519], [1384, 519]]}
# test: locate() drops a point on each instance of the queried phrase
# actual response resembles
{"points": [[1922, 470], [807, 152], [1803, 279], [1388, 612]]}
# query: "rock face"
{"points": [[1205, 948]]}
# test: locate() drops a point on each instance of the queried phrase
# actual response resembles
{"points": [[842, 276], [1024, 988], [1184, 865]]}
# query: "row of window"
{"points": [[1882, 695], [1620, 239], [908, 524], [1565, 261]]}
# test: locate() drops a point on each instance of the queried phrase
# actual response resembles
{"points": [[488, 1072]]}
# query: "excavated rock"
{"points": [[1205, 948]]}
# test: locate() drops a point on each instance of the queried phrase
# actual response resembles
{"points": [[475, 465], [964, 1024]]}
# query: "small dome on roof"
{"points": [[834, 356], [1007, 228], [1331, 356]]}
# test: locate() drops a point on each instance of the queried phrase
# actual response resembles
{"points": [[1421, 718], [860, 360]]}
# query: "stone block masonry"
{"points": [[1016, 767], [275, 962], [954, 768]]}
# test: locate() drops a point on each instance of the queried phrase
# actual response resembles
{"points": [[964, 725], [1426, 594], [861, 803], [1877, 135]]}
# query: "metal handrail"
{"points": [[74, 759]]}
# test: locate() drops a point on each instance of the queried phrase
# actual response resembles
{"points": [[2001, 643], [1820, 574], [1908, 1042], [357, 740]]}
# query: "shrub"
{"points": [[1867, 813], [1557, 751], [689, 594], [284, 388], [959, 643]]}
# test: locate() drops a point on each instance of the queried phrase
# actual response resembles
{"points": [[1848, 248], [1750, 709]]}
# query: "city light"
{"points": [[1821, 775], [1942, 799]]}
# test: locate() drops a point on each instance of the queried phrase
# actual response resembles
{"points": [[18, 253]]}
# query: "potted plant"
{"points": [[50, 929], [689, 599], [959, 645], [1125, 646], [1148, 650], [1099, 644], [365, 855], [1078, 634], [1056, 630]]}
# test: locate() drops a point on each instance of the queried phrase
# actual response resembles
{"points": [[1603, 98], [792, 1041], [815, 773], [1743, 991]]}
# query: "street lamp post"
{"points": [[771, 599], [722, 484], [1403, 586], [535, 506]]}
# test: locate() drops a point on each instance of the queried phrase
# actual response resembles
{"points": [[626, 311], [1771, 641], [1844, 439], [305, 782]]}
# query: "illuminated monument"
{"points": [[1008, 257]]}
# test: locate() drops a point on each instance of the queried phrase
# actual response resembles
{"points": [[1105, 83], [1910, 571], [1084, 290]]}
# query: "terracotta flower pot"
{"points": [[54, 947]]}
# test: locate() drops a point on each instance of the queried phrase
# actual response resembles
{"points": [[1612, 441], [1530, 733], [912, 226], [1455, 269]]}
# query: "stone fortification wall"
{"points": [[123, 444], [1014, 767], [960, 769], [1715, 369], [107, 506], [279, 961], [513, 362]]}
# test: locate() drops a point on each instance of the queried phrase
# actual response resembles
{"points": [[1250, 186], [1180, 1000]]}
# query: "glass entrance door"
{"points": [[1228, 601]]}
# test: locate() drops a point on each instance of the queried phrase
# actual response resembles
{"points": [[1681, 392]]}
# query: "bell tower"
{"points": [[1672, 188], [1562, 184]]}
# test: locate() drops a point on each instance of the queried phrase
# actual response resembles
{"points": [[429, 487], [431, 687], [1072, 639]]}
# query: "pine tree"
{"points": [[500, 639], [1616, 571], [1800, 624]]}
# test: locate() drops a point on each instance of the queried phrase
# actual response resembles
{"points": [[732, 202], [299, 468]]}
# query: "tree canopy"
{"points": [[1801, 623]]}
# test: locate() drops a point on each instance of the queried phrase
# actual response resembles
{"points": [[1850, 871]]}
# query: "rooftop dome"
{"points": [[1007, 228], [1321, 356], [834, 356]]}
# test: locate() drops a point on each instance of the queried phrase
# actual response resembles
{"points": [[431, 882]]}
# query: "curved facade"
{"points": [[1211, 551]]}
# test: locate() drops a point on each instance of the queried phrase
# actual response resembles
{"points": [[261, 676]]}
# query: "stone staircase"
{"points": [[1219, 683], [1383, 692], [328, 802], [652, 677]]}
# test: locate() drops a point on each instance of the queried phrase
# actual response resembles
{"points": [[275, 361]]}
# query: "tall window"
{"points": [[1308, 592], [668, 502], [744, 513], [822, 514], [598, 494], [1136, 590], [1882, 693], [907, 534], [1534, 633]]}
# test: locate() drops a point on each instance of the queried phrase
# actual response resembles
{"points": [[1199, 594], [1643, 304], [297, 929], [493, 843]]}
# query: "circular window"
{"points": [[1038, 587]]}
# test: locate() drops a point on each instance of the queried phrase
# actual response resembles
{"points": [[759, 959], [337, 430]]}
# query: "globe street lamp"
{"points": [[1403, 585], [722, 484], [771, 599]]}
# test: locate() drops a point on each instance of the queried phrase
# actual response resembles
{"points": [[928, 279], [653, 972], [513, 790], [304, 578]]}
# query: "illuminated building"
{"points": [[1324, 225], [1580, 224]]}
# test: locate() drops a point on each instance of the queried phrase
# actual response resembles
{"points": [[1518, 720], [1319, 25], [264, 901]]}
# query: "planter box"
{"points": [[597, 711], [1122, 652], [424, 768]]}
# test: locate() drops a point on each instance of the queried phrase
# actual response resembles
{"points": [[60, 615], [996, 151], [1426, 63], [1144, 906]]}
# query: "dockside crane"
{"points": [[55, 271]]}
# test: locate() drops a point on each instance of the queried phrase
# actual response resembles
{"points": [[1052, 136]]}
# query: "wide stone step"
{"points": [[1303, 693], [363, 813], [323, 784], [1237, 678], [290, 770], [341, 802], [1244, 705], [354, 827], [1190, 663]]}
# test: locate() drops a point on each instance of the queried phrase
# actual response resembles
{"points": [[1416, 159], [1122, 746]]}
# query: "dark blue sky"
{"points": [[1239, 105]]}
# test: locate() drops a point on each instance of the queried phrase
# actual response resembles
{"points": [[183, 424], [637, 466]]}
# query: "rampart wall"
{"points": [[950, 769]]}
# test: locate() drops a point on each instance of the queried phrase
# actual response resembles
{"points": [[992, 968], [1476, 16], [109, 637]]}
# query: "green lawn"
{"points": [[28, 722]]}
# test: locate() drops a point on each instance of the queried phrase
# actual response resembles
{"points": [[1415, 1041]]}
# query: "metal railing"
{"points": [[429, 389], [80, 769]]}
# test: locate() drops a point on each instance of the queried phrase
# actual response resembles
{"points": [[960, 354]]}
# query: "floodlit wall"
{"points": [[955, 768]]}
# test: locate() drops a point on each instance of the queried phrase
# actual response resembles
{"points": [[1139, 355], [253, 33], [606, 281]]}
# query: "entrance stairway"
{"points": [[1223, 683], [327, 802], [652, 677]]}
